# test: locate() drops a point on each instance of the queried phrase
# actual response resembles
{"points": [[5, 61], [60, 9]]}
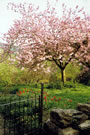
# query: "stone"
{"points": [[85, 108], [69, 121], [64, 118], [78, 119], [58, 117], [85, 125], [70, 131], [51, 128], [85, 128]]}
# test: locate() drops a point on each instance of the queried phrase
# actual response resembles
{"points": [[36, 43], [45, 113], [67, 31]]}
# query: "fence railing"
{"points": [[23, 116]]}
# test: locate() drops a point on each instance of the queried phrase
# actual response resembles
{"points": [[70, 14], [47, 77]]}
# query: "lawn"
{"points": [[67, 97]]}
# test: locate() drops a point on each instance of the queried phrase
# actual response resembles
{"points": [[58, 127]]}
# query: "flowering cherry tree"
{"points": [[40, 36]]}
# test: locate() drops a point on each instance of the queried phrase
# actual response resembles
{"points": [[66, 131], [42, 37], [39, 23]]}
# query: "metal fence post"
{"points": [[5, 119], [42, 86]]}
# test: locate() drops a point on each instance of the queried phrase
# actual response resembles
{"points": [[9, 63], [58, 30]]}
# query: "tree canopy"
{"points": [[40, 36]]}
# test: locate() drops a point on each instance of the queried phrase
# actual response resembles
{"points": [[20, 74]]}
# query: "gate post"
{"points": [[42, 86], [41, 107]]}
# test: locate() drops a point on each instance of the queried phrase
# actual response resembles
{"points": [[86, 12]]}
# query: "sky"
{"points": [[7, 16]]}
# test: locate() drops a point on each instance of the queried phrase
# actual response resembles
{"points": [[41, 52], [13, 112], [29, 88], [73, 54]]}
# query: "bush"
{"points": [[56, 85], [70, 84], [84, 77], [49, 86], [4, 89], [14, 90], [3, 83], [34, 85], [9, 89]]}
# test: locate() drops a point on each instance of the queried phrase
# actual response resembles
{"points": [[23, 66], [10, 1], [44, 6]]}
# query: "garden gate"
{"points": [[22, 117]]}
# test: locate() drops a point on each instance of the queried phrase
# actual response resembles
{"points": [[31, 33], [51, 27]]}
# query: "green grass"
{"points": [[78, 94], [70, 97], [66, 98]]}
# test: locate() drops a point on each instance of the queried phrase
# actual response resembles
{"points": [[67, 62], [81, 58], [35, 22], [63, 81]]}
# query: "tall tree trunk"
{"points": [[62, 76]]}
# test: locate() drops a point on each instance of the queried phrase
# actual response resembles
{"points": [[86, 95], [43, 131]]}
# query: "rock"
{"points": [[85, 108], [85, 125], [60, 118], [51, 128], [64, 118], [70, 131], [85, 128], [78, 119]]}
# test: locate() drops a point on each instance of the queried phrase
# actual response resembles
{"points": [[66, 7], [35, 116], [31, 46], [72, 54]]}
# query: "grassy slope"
{"points": [[70, 97], [77, 93], [65, 98]]}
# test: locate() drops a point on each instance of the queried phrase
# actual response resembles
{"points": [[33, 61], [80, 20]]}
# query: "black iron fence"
{"points": [[22, 117]]}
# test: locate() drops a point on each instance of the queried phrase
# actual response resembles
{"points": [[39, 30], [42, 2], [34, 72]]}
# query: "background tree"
{"points": [[40, 36], [83, 56]]}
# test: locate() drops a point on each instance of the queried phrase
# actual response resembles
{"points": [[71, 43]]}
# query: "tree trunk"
{"points": [[62, 76]]}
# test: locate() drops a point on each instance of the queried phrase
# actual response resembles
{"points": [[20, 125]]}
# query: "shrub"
{"points": [[9, 89], [14, 90], [70, 84], [3, 83], [84, 77], [56, 85], [50, 86]]}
